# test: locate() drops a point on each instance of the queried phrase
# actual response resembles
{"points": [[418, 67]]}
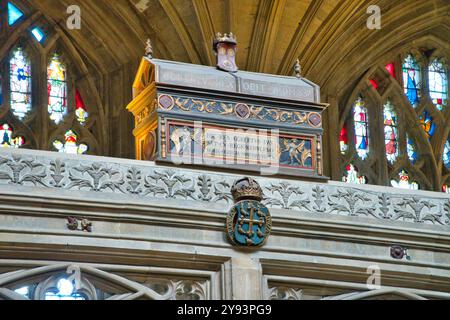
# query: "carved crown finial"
{"points": [[246, 188], [228, 38], [149, 49], [298, 69]]}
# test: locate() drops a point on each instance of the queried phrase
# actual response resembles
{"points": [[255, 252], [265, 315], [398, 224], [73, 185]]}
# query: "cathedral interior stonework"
{"points": [[224, 150]]}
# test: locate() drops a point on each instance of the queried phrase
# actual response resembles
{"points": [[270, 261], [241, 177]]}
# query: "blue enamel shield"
{"points": [[248, 223]]}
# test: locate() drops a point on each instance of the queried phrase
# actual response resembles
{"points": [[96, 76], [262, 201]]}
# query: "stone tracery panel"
{"points": [[84, 282]]}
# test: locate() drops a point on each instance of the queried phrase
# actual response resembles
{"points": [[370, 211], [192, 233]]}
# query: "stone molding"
{"points": [[53, 171]]}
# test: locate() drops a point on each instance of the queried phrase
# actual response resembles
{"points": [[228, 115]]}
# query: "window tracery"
{"points": [[41, 98], [404, 145]]}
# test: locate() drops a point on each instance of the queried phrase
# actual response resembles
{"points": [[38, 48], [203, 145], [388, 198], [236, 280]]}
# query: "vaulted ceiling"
{"points": [[329, 36]]}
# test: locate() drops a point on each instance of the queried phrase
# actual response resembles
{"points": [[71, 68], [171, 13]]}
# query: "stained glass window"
{"points": [[446, 155], [64, 290], [70, 144], [437, 82], [353, 176], [57, 89], [80, 108], [38, 34], [411, 80], [14, 14], [343, 140], [6, 137], [426, 121], [20, 83], [404, 182], [411, 150], [390, 132], [361, 128], [390, 69]]}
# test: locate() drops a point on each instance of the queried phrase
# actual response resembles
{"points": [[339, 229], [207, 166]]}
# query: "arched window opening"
{"points": [[352, 175], [57, 89], [20, 83], [437, 83], [390, 132], [361, 123], [411, 79]]}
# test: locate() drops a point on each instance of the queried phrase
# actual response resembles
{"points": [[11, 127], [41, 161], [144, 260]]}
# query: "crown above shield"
{"points": [[246, 189]]}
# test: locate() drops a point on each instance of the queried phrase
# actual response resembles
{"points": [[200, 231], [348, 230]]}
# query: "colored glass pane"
{"points": [[390, 132], [38, 34], [14, 14], [426, 121], [20, 84], [446, 188], [437, 83], [390, 69], [404, 182], [70, 144], [80, 108], [411, 80], [411, 150], [6, 137], [57, 90], [374, 84], [352, 175], [361, 128], [343, 140], [64, 290], [446, 155]]}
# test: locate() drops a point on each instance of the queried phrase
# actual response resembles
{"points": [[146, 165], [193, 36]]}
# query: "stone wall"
{"points": [[158, 232]]}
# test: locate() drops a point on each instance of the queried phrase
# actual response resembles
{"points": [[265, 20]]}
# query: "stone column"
{"points": [[246, 277]]}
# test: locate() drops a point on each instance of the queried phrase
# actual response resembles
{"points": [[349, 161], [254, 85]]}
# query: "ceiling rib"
{"points": [[269, 16], [181, 29]]}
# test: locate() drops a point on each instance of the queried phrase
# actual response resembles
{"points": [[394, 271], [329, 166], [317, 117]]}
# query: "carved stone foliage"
{"points": [[84, 282], [56, 171], [285, 293]]}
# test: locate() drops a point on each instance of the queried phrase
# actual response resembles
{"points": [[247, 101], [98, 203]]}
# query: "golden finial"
{"points": [[298, 69], [149, 49]]}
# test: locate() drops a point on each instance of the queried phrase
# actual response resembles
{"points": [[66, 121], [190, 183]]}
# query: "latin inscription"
{"points": [[262, 88]]}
